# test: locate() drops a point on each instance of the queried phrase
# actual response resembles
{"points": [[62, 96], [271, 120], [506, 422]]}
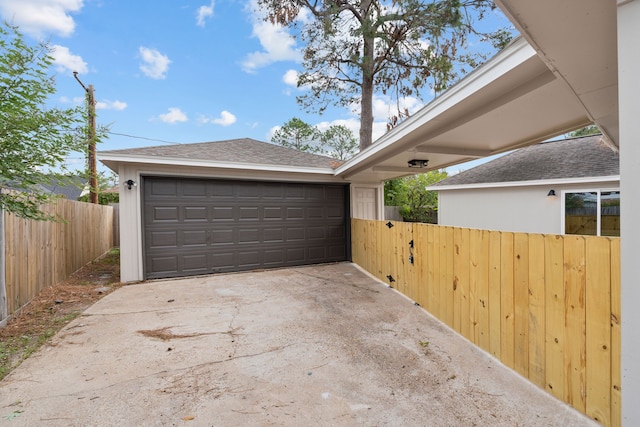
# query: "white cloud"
{"points": [[175, 115], [203, 13], [276, 42], [111, 105], [66, 61], [154, 64], [290, 78], [38, 17], [226, 119]]}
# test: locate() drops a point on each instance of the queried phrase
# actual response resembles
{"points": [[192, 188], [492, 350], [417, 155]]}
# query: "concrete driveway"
{"points": [[319, 345]]}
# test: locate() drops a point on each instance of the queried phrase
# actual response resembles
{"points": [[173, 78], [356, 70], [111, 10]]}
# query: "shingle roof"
{"points": [[238, 151], [581, 157]]}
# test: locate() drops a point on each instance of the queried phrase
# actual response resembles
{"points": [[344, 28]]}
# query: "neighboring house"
{"points": [[70, 189], [566, 186]]}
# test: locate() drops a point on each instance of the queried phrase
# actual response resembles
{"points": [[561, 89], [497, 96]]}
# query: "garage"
{"points": [[197, 226]]}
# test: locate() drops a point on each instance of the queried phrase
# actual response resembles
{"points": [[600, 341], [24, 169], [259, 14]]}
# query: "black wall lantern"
{"points": [[130, 183]]}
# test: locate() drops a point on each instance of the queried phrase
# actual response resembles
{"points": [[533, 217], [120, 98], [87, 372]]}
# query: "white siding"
{"points": [[629, 94], [519, 209], [526, 210]]}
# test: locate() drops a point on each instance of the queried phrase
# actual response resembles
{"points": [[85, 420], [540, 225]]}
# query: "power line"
{"points": [[142, 137]]}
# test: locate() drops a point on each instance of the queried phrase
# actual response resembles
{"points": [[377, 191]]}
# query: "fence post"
{"points": [[3, 287]]}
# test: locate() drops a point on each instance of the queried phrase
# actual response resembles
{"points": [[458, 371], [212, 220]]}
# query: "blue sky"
{"points": [[177, 71]]}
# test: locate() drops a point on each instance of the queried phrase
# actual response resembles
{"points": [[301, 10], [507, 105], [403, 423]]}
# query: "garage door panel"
{"points": [[295, 233], [317, 253], [248, 258], [295, 192], [295, 213], [219, 237], [223, 190], [195, 213], [222, 261], [273, 191], [272, 213], [274, 257], [193, 188], [296, 256], [195, 263], [199, 226], [274, 235], [315, 233], [220, 213], [335, 212], [248, 235], [163, 239], [249, 213], [162, 188], [194, 238], [164, 265], [165, 213]]}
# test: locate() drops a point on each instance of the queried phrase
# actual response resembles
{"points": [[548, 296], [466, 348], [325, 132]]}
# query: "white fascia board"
{"points": [[174, 161], [540, 182], [513, 55]]}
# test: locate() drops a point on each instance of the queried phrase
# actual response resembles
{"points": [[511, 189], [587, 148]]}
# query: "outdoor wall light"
{"points": [[418, 163], [130, 183], [551, 193]]}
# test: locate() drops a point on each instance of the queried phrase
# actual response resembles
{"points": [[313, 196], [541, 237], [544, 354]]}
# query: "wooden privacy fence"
{"points": [[547, 306], [42, 253]]}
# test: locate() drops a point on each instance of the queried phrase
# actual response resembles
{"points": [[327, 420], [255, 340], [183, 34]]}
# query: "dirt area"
{"points": [[55, 307]]}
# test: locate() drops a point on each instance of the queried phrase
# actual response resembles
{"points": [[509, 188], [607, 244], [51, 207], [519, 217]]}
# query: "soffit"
{"points": [[511, 101]]}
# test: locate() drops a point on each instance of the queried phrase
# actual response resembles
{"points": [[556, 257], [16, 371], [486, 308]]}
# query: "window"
{"points": [[592, 212]]}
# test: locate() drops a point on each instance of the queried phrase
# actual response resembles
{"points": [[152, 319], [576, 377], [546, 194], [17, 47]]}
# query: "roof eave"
{"points": [[539, 182], [113, 160]]}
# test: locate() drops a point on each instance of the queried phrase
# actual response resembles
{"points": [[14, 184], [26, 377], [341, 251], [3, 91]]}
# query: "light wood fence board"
{"points": [[461, 280], [521, 303], [437, 294], [403, 234], [555, 371], [537, 331], [598, 329], [41, 253], [475, 244], [423, 245], [494, 284], [616, 356], [482, 292], [574, 249], [446, 272], [507, 307]]}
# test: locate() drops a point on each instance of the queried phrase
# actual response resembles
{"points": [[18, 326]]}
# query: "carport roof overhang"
{"points": [[521, 96]]}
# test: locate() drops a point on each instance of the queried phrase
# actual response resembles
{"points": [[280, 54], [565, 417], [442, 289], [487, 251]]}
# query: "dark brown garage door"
{"points": [[201, 226]]}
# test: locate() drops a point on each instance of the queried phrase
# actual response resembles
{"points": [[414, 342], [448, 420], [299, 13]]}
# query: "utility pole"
{"points": [[91, 137]]}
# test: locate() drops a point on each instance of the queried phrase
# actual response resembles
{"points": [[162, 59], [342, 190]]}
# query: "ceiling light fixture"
{"points": [[418, 163]]}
